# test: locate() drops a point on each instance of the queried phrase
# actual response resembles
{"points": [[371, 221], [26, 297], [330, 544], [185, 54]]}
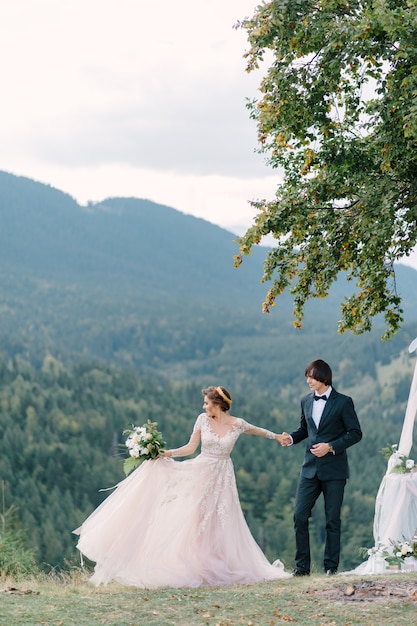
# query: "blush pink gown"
{"points": [[178, 523]]}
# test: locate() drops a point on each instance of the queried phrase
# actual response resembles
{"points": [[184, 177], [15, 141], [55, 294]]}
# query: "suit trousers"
{"points": [[308, 490]]}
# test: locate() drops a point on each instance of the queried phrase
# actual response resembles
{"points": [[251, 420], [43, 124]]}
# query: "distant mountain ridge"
{"points": [[131, 241], [122, 240], [134, 282]]}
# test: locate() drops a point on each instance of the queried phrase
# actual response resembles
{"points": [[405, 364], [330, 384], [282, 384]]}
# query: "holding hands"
{"points": [[319, 449], [284, 439]]}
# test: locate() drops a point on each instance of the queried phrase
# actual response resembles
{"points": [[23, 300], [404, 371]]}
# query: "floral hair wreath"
{"points": [[221, 393]]}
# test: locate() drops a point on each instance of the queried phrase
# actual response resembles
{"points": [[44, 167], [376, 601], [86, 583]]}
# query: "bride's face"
{"points": [[210, 407]]}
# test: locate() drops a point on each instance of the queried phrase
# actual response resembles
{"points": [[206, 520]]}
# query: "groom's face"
{"points": [[316, 386]]}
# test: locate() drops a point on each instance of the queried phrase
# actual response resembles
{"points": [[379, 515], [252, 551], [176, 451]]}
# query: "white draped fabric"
{"points": [[395, 519], [406, 439]]}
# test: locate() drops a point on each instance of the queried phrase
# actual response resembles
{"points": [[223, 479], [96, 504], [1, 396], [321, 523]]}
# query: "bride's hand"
{"points": [[283, 439]]}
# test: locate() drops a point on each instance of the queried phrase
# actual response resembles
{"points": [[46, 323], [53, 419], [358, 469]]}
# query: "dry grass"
{"points": [[317, 600]]}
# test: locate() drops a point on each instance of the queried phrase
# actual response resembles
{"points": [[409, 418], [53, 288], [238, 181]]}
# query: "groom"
{"points": [[330, 425]]}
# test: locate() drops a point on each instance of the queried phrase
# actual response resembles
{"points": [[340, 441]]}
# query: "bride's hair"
{"points": [[220, 396]]}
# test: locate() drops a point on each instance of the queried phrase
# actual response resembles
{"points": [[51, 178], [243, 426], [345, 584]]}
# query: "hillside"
{"points": [[61, 443], [141, 285], [119, 244]]}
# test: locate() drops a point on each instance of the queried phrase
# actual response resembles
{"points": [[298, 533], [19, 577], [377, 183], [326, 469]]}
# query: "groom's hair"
{"points": [[319, 370]]}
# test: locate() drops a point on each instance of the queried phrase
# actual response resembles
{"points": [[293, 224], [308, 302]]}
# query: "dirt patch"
{"points": [[20, 592], [370, 590]]}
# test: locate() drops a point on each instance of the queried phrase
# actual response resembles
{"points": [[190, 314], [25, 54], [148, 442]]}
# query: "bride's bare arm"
{"points": [[189, 447]]}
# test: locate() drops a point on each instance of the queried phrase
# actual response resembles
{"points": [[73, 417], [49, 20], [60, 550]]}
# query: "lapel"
{"points": [[309, 410]]}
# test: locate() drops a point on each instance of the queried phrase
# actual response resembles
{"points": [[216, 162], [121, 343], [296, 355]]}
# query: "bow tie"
{"points": [[320, 398]]}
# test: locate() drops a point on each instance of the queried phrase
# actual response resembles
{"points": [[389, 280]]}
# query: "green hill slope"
{"points": [[141, 285]]}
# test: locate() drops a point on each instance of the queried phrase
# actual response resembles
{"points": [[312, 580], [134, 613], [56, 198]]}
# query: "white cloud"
{"points": [[122, 97], [159, 85], [131, 98]]}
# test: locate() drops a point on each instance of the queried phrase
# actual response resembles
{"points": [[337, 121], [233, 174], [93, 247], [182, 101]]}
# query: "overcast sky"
{"points": [[142, 98]]}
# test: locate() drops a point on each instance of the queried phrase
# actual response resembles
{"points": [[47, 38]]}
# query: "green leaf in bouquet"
{"points": [[129, 465]]}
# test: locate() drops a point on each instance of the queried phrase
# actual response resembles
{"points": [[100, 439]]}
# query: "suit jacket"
{"points": [[339, 426]]}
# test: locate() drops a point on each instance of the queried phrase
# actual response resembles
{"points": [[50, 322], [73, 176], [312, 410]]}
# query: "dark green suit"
{"points": [[339, 426]]}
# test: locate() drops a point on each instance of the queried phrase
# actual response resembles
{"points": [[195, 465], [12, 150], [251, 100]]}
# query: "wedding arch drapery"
{"points": [[395, 519], [406, 439]]}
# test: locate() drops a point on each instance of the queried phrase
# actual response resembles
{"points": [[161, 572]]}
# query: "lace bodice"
{"points": [[221, 446]]}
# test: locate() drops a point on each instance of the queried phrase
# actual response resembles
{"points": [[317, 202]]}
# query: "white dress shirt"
{"points": [[318, 406]]}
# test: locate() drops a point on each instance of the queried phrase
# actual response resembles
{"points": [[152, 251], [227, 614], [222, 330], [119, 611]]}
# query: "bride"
{"points": [[180, 524]]}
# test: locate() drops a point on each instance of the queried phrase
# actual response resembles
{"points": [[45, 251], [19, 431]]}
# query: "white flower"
{"points": [[135, 442], [409, 464], [134, 451], [130, 442]]}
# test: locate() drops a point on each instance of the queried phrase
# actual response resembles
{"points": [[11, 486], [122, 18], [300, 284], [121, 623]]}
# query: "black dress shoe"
{"points": [[300, 572], [331, 572]]}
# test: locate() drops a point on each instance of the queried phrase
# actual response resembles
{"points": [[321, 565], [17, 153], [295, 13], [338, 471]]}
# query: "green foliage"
{"points": [[16, 559], [338, 114], [388, 451], [402, 464]]}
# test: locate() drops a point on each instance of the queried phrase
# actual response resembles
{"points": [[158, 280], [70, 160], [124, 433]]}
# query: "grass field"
{"points": [[317, 600]]}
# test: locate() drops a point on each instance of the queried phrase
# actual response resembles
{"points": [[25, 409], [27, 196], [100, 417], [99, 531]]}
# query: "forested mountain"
{"points": [[141, 285], [61, 442], [120, 244], [122, 311]]}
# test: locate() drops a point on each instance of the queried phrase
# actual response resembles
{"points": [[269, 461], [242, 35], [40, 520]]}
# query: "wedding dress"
{"points": [[178, 524]]}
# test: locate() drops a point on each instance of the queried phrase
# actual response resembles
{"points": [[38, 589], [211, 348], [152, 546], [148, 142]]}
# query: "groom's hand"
{"points": [[320, 449], [284, 439]]}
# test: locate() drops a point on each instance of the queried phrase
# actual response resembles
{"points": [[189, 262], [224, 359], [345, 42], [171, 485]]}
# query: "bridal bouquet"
{"points": [[144, 443]]}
